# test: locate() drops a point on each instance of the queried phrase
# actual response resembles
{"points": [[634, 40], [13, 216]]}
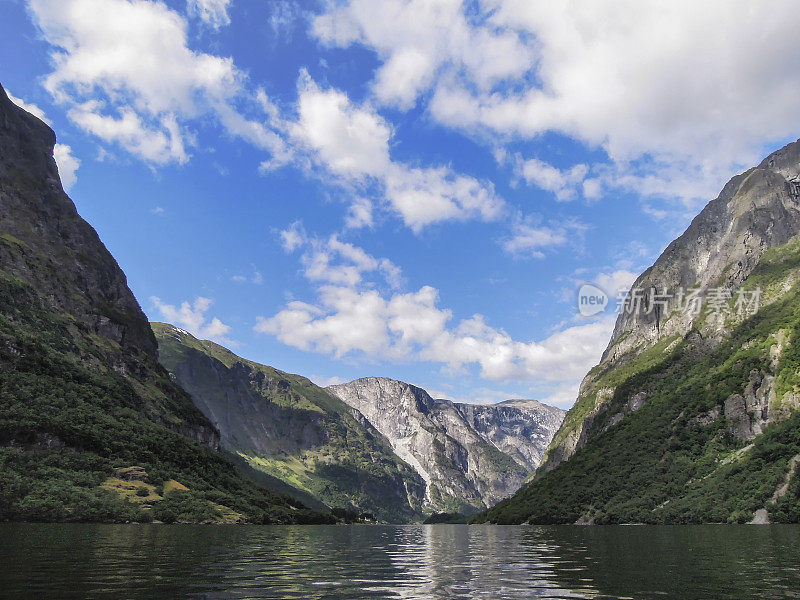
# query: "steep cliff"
{"points": [[691, 414], [469, 457], [286, 426], [756, 210], [81, 391]]}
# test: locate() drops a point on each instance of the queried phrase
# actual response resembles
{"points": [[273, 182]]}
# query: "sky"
{"points": [[413, 189]]}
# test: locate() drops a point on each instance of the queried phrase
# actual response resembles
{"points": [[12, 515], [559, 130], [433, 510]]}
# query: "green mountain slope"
{"points": [[289, 428], [693, 420], [91, 426]]}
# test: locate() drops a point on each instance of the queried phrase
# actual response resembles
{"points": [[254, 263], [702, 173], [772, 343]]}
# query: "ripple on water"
{"points": [[408, 562]]}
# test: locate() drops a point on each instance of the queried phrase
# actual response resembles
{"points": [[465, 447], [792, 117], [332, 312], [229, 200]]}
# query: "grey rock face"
{"points": [[470, 457], [756, 210], [520, 428]]}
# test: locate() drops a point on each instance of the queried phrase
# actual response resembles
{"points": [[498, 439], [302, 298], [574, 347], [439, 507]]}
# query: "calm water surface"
{"points": [[416, 562]]}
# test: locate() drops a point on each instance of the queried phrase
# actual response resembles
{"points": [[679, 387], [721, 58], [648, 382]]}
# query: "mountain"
{"points": [[692, 415], [521, 429], [91, 426], [289, 428], [469, 456]]}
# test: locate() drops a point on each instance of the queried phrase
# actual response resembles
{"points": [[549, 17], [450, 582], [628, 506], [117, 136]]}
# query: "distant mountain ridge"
{"points": [[470, 456], [520, 428], [286, 426], [340, 444]]}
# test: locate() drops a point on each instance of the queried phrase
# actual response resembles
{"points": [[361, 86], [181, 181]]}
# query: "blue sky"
{"points": [[405, 188]]}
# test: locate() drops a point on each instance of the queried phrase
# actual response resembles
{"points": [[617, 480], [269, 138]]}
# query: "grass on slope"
{"points": [[66, 424]]}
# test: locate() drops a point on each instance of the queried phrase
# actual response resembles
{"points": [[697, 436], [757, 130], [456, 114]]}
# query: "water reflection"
{"points": [[410, 562]]}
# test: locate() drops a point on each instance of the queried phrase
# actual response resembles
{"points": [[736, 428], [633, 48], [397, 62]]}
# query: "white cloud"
{"points": [[359, 214], [678, 94], [125, 72], [256, 278], [192, 317], [419, 40], [211, 12], [351, 142], [158, 145], [284, 15], [410, 326], [293, 237], [352, 317], [332, 261], [157, 210], [31, 108], [322, 381], [563, 396], [67, 165], [563, 183], [530, 236]]}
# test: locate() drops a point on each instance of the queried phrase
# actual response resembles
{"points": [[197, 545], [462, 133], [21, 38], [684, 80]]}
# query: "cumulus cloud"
{"points": [[353, 317], [656, 85], [67, 165], [256, 278], [419, 40], [359, 214], [191, 316], [211, 12], [411, 326], [351, 142], [125, 72]]}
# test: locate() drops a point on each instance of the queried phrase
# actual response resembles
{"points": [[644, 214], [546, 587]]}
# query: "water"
{"points": [[415, 562]]}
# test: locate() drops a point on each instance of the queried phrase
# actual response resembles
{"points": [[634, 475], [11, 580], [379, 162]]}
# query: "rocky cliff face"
{"points": [[81, 390], [289, 428], [469, 457], [756, 210], [522, 429], [692, 415]]}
